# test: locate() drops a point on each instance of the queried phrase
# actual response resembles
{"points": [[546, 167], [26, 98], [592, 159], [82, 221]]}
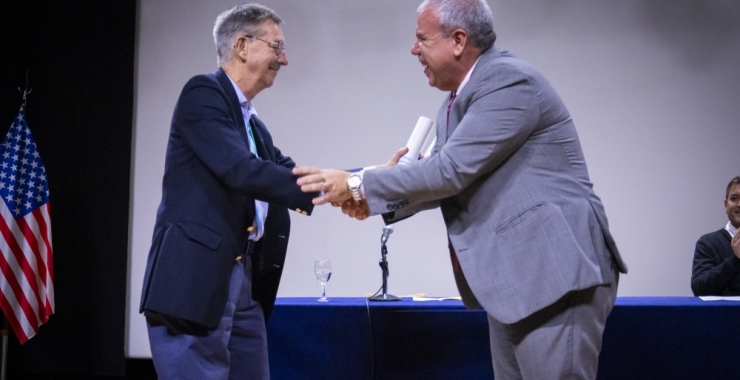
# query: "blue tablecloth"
{"points": [[350, 338]]}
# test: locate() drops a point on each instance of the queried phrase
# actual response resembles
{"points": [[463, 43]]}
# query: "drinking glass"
{"points": [[322, 268]]}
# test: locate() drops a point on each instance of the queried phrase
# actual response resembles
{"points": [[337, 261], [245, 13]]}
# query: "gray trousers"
{"points": [[561, 341], [236, 349]]}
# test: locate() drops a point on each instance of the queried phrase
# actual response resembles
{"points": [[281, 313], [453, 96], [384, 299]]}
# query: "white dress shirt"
{"points": [[260, 207], [731, 229]]}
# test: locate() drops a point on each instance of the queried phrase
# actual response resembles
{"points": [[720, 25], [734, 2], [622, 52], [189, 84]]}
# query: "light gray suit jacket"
{"points": [[510, 178]]}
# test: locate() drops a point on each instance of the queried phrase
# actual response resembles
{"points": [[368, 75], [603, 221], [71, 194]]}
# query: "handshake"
{"points": [[332, 185]]}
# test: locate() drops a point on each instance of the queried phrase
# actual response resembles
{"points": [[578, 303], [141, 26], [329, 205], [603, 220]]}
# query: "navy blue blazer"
{"points": [[211, 181], [716, 269]]}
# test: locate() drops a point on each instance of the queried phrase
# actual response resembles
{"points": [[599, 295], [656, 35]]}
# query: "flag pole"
{"points": [[5, 331]]}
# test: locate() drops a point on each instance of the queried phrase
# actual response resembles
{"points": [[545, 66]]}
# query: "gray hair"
{"points": [[472, 16], [242, 19]]}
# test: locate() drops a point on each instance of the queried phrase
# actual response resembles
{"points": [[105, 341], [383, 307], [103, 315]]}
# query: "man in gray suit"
{"points": [[529, 239]]}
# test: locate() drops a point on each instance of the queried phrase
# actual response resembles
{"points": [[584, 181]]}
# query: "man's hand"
{"points": [[334, 185], [354, 209], [396, 157], [332, 182], [736, 244]]}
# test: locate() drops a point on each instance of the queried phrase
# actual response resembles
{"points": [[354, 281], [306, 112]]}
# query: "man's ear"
{"points": [[460, 38], [240, 47]]}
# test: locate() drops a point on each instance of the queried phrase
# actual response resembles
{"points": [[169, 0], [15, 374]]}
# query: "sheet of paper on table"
{"points": [[437, 298], [720, 298]]}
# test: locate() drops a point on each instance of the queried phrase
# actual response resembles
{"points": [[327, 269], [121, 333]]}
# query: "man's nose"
{"points": [[415, 48], [283, 58]]}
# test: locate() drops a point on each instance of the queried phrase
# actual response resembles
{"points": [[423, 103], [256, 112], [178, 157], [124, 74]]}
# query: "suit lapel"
{"points": [[462, 101], [237, 116], [234, 106], [259, 139], [258, 129]]}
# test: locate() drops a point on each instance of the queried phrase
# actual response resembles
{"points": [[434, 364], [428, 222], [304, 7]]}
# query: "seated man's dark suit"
{"points": [[716, 269], [210, 185]]}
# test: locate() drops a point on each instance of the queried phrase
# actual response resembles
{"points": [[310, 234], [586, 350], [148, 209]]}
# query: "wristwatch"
{"points": [[353, 184]]}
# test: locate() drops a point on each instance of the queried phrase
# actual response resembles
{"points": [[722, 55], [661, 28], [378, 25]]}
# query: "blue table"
{"points": [[671, 338], [349, 338]]}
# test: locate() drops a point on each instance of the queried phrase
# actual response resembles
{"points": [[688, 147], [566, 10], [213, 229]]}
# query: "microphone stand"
{"points": [[384, 296]]}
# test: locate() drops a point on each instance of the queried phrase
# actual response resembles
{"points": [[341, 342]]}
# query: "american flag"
{"points": [[26, 284]]}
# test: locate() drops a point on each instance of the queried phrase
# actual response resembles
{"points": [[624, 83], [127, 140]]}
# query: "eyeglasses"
{"points": [[279, 46]]}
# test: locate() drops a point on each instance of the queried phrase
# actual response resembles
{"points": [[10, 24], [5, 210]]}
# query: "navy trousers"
{"points": [[236, 349]]}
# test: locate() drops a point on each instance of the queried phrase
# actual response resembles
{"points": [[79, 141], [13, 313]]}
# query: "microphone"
{"points": [[387, 231]]}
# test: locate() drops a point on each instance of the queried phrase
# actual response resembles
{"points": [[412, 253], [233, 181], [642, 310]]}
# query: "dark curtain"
{"points": [[80, 61]]}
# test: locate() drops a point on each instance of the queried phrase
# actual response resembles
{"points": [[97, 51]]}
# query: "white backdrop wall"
{"points": [[653, 87]]}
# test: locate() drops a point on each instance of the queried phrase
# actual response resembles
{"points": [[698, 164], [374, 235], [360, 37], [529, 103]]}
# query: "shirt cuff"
{"points": [[362, 183]]}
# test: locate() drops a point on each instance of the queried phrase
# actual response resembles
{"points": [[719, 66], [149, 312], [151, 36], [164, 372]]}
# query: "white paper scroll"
{"points": [[417, 139], [430, 148]]}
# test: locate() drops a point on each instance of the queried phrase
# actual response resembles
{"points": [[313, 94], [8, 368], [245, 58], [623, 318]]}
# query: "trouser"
{"points": [[561, 341], [236, 349]]}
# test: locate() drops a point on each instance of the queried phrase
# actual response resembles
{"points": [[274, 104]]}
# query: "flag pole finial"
{"points": [[25, 92]]}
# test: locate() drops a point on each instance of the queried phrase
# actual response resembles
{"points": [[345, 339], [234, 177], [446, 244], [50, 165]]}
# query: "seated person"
{"points": [[716, 270]]}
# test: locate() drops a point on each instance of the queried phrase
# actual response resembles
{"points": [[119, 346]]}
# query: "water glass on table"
{"points": [[322, 269]]}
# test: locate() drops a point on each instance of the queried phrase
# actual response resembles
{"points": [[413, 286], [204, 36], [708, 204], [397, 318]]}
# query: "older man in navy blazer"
{"points": [[222, 226], [529, 238]]}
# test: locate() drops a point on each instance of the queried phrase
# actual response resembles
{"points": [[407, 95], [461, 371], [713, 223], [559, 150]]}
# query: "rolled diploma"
{"points": [[417, 139], [428, 152]]}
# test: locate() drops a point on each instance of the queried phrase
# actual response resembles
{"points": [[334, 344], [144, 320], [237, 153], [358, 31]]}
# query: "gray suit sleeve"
{"points": [[502, 112], [406, 212]]}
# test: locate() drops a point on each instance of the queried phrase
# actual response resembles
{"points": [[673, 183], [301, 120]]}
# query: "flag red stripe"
{"points": [[18, 294], [33, 233], [27, 272], [21, 247], [41, 216], [45, 234], [33, 244], [12, 320], [44, 223], [29, 228]]}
